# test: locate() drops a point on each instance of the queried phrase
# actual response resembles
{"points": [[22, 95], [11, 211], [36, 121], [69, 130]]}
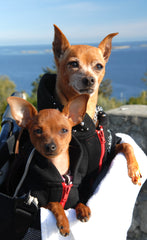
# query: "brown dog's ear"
{"points": [[76, 109], [21, 110], [60, 43], [106, 46]]}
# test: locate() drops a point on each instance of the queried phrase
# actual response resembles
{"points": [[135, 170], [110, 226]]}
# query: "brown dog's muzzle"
{"points": [[88, 82]]}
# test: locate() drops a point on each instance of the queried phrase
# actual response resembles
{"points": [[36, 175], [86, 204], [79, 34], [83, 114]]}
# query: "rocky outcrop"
{"points": [[132, 120]]}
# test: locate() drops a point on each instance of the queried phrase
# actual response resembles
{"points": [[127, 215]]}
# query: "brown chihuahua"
{"points": [[80, 69], [50, 134]]}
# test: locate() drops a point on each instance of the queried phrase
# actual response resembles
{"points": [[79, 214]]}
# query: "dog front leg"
{"points": [[133, 167], [83, 212], [62, 221]]}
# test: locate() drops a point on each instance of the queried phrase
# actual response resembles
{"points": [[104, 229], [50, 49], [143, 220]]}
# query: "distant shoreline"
{"points": [[117, 45], [121, 47], [128, 46]]}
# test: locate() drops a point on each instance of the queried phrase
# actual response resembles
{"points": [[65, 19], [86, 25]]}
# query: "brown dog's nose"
{"points": [[50, 147], [88, 82]]}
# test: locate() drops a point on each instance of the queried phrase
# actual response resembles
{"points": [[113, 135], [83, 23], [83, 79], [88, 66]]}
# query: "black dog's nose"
{"points": [[88, 82], [50, 147]]}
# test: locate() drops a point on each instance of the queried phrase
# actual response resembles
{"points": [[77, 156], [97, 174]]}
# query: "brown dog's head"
{"points": [[49, 129], [80, 68]]}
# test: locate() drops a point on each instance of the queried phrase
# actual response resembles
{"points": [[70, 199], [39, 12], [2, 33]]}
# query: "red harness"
{"points": [[65, 193], [101, 137]]}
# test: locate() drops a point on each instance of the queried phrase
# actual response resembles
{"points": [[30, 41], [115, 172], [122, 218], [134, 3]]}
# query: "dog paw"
{"points": [[135, 175], [61, 218], [83, 212], [63, 226]]}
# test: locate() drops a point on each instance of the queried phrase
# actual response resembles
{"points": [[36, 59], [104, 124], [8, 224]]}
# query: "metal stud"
{"points": [[82, 123], [74, 130]]}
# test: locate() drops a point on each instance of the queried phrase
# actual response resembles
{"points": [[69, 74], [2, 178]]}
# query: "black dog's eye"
{"points": [[64, 130], [38, 131], [99, 66], [74, 64]]}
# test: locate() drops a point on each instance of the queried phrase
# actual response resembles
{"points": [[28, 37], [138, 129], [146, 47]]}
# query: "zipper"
{"points": [[102, 140]]}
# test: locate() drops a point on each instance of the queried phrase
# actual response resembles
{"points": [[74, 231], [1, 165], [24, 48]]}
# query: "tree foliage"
{"points": [[144, 79], [141, 99], [105, 88], [104, 96], [7, 87]]}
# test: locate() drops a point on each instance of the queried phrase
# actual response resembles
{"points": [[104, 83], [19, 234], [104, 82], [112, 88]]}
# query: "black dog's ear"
{"points": [[60, 43], [106, 46]]}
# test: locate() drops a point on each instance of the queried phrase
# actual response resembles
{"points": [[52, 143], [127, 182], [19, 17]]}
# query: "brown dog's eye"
{"points": [[64, 130], [99, 66], [73, 64], [38, 131]]}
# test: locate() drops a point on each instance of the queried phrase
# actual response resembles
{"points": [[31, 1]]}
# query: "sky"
{"points": [[31, 21]]}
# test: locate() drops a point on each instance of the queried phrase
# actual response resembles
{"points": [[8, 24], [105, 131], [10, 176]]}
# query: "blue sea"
{"points": [[126, 66]]}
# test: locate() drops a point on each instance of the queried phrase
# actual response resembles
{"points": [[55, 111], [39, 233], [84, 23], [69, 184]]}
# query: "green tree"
{"points": [[105, 88], [7, 87], [141, 99], [144, 79], [104, 97]]}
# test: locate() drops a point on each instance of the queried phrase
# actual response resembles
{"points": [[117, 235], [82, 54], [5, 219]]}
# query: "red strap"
{"points": [[65, 193], [101, 137]]}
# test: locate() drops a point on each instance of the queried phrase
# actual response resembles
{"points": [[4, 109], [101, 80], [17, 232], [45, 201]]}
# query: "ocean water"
{"points": [[125, 68]]}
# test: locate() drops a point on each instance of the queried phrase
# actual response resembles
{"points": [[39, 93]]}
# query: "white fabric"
{"points": [[111, 205]]}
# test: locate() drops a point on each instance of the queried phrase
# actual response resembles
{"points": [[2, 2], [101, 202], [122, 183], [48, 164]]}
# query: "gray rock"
{"points": [[130, 119]]}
